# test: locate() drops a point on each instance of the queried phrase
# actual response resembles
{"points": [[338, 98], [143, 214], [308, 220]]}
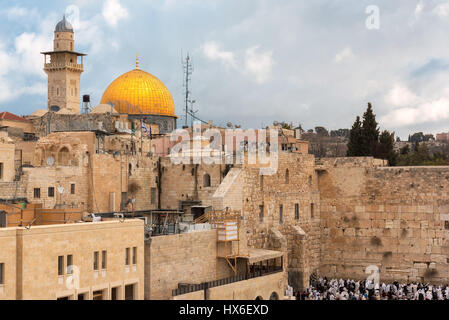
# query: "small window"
{"points": [[153, 195], [206, 180], [60, 265], [37, 193], [281, 214], [69, 264], [261, 213], [296, 211], [96, 260], [1, 170], [72, 188], [287, 176], [261, 182], [135, 255], [51, 192], [2, 273], [312, 209], [127, 257], [446, 225], [104, 257]]}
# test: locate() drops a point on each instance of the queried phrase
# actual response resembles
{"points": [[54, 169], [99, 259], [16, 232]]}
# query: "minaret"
{"points": [[64, 70]]}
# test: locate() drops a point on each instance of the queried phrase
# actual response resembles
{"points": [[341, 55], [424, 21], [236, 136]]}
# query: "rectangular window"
{"points": [[296, 211], [96, 260], [129, 292], [104, 256], [261, 213], [261, 182], [72, 188], [1, 171], [281, 214], [2, 273], [114, 293], [312, 208], [153, 195], [127, 257], [135, 255], [69, 264], [37, 193], [60, 265], [51, 192]]}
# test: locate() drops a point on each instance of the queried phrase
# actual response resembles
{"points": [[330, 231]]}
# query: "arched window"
{"points": [[286, 176], [64, 157], [259, 298], [206, 180], [130, 169]]}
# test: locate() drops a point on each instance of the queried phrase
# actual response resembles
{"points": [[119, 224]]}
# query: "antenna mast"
{"points": [[188, 70]]}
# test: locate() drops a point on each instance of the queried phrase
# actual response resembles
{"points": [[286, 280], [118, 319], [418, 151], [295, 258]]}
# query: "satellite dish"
{"points": [[238, 126], [61, 190], [275, 123], [229, 125], [50, 161]]}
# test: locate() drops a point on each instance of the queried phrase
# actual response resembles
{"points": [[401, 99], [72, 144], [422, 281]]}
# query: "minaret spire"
{"points": [[137, 61]]}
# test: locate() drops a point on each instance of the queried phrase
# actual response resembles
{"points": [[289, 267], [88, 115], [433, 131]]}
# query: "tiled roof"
{"points": [[9, 116]]}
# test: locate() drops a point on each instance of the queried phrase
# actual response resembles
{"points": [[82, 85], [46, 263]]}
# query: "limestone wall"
{"points": [[8, 256], [299, 188], [6, 158], [262, 287], [183, 258], [391, 218], [186, 182]]}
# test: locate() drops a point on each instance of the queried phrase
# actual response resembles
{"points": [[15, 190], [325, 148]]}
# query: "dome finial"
{"points": [[137, 61]]}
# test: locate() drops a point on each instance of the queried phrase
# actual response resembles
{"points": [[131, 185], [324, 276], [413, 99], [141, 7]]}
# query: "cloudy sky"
{"points": [[255, 61]]}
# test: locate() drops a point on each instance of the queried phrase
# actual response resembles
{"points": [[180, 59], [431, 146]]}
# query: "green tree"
{"points": [[385, 148], [355, 139], [370, 132]]}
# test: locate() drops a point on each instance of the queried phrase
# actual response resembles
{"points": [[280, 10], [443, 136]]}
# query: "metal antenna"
{"points": [[188, 70]]}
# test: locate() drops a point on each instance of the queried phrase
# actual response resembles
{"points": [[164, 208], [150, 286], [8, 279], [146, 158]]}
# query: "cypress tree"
{"points": [[370, 132], [385, 149], [355, 139]]}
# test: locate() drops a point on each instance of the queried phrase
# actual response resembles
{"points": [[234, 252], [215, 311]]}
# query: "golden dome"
{"points": [[139, 92]]}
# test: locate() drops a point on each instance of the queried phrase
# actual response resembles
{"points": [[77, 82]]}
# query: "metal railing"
{"points": [[189, 288]]}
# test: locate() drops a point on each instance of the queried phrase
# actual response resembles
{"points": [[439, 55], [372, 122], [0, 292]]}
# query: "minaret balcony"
{"points": [[62, 66]]}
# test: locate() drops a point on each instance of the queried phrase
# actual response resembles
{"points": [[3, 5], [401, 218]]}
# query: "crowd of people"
{"points": [[339, 289]]}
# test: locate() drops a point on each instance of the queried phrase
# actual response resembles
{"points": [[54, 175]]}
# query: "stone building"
{"points": [[82, 261]]}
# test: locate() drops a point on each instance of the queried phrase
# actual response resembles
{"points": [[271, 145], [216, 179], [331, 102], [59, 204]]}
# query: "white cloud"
{"points": [[212, 50], [442, 10], [346, 54], [259, 65], [113, 12], [401, 96], [28, 47], [412, 109]]}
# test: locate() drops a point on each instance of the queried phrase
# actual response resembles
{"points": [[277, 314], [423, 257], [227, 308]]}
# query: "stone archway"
{"points": [[64, 157], [274, 296]]}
